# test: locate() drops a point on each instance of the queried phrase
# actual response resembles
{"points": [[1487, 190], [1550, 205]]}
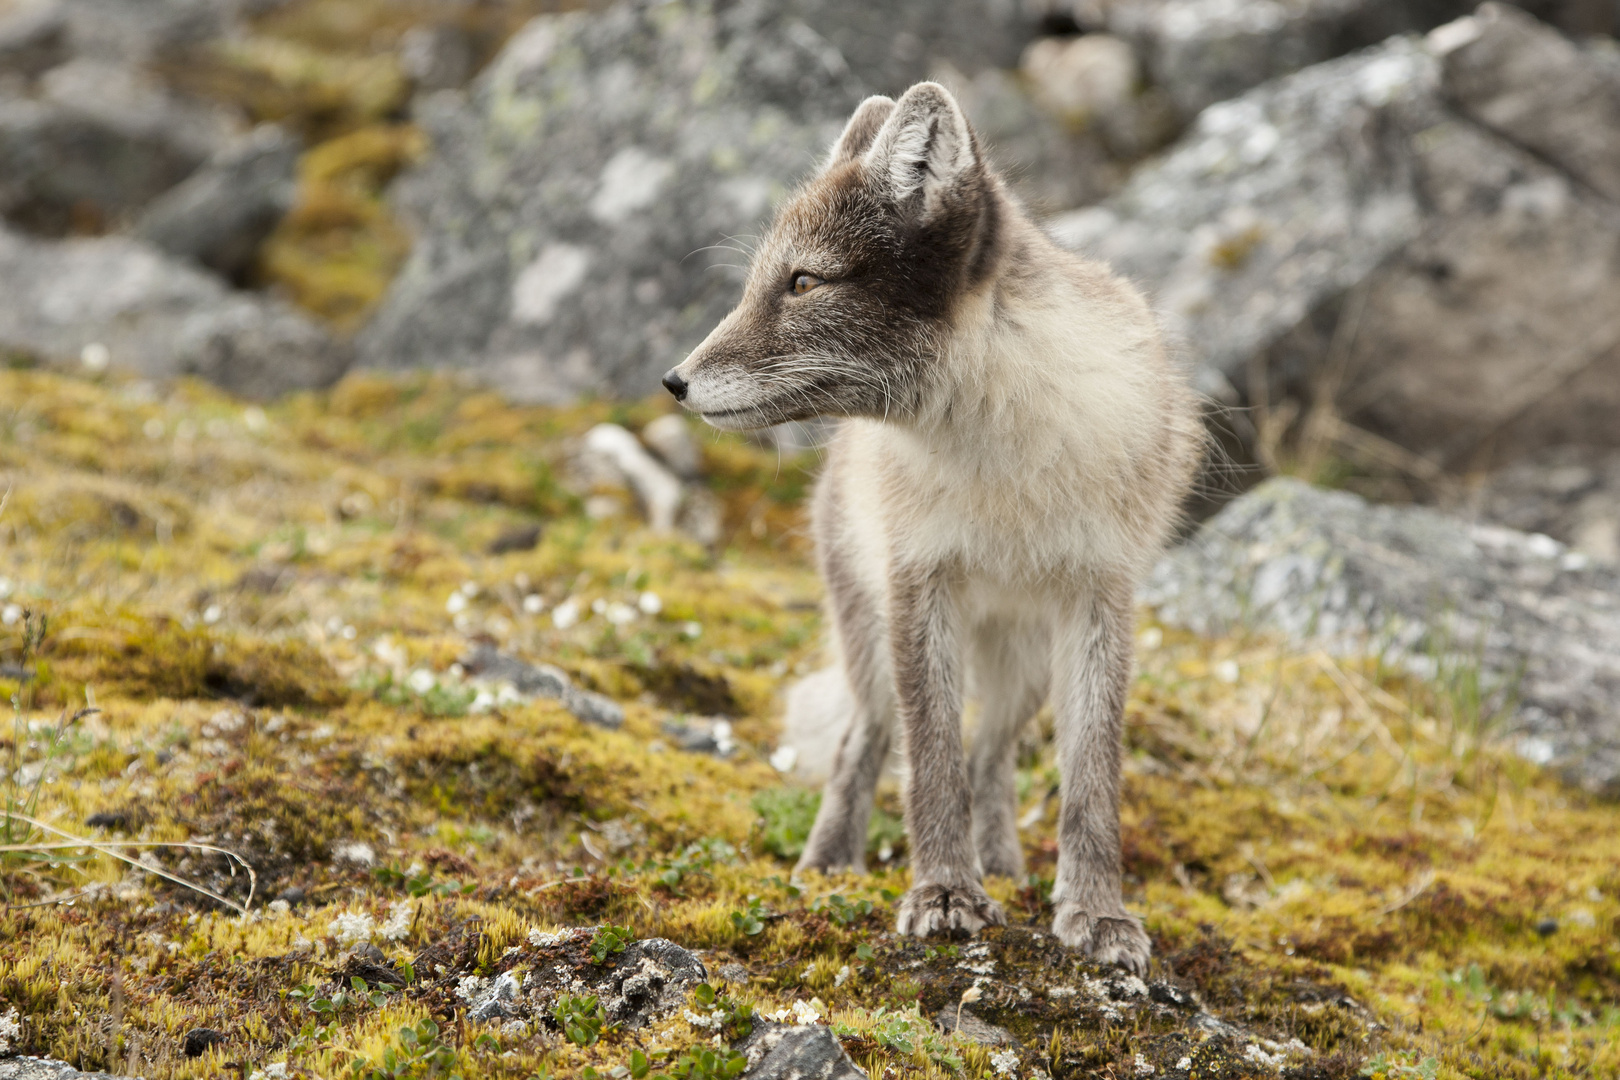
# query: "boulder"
{"points": [[1347, 226], [33, 39], [221, 213], [1540, 622], [1272, 203], [119, 300], [99, 141], [1536, 87], [583, 219], [1204, 51]]}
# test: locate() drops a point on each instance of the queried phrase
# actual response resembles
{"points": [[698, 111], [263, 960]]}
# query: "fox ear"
{"points": [[923, 149], [862, 129]]}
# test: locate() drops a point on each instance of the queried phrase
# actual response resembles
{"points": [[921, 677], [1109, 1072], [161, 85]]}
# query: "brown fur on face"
{"points": [[892, 255]]}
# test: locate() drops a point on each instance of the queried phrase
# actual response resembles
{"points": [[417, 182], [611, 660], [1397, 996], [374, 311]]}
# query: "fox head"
{"points": [[850, 292]]}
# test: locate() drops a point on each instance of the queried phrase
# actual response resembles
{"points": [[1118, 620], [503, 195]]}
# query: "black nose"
{"points": [[675, 385]]}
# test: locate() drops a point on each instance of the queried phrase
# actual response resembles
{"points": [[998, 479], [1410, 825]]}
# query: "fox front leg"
{"points": [[1091, 675], [925, 641]]}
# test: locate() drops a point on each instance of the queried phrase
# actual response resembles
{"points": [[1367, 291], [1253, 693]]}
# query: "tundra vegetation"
{"points": [[230, 639]]}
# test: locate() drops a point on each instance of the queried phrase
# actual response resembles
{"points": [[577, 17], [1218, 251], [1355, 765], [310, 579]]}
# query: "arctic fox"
{"points": [[1013, 450]]}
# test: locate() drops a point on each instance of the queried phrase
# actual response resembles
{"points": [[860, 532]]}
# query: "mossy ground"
{"points": [[1323, 850]]}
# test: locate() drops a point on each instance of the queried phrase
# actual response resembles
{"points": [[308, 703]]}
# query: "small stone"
{"points": [[970, 1026], [733, 973], [517, 538], [292, 894], [199, 1040], [1547, 927]]}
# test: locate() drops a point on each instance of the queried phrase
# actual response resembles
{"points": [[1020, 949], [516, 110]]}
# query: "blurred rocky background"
{"points": [[1385, 235]]}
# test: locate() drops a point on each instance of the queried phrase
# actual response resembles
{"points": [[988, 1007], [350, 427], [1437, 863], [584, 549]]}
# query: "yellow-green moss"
{"points": [[1298, 830]]}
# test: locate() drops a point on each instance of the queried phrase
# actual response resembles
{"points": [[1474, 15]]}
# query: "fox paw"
{"points": [[1109, 940], [943, 909]]}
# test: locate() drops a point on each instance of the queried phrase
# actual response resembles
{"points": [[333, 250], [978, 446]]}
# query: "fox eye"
{"points": [[803, 283]]}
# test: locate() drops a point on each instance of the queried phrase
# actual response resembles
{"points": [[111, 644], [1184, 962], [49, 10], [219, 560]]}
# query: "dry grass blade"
{"points": [[109, 848]]}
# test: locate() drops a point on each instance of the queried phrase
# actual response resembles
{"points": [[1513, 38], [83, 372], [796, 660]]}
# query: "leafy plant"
{"points": [[419, 1053], [1383, 1067], [610, 939], [421, 884], [734, 1019], [751, 920], [905, 1032], [841, 911], [581, 1018]]}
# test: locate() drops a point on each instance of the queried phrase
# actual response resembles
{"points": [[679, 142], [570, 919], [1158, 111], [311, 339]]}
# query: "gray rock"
{"points": [[436, 57], [1272, 204], [221, 213], [565, 224], [500, 1000], [971, 1027], [144, 30], [702, 735], [1346, 223], [649, 980], [31, 1068], [1538, 88], [488, 664], [796, 1052], [118, 300], [100, 142], [1204, 51], [1567, 493], [577, 228], [33, 39], [1540, 623]]}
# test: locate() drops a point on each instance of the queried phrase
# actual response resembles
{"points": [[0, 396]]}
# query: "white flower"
{"points": [[456, 604], [565, 614], [785, 758], [650, 604], [421, 681], [693, 630], [353, 927], [842, 977], [11, 614], [212, 614], [482, 702], [534, 604], [1227, 671], [710, 1021], [95, 356], [5, 587], [807, 1012], [620, 614], [469, 589], [398, 925], [1005, 1063], [280, 907]]}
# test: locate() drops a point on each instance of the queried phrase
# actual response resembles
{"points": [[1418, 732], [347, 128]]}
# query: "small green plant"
{"points": [[734, 1019], [421, 884], [1383, 1067], [702, 1063], [581, 1018], [610, 939], [419, 1053], [905, 1032], [841, 911], [751, 920]]}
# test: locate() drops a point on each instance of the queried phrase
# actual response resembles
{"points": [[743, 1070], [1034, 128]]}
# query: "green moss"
{"points": [[1323, 851]]}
